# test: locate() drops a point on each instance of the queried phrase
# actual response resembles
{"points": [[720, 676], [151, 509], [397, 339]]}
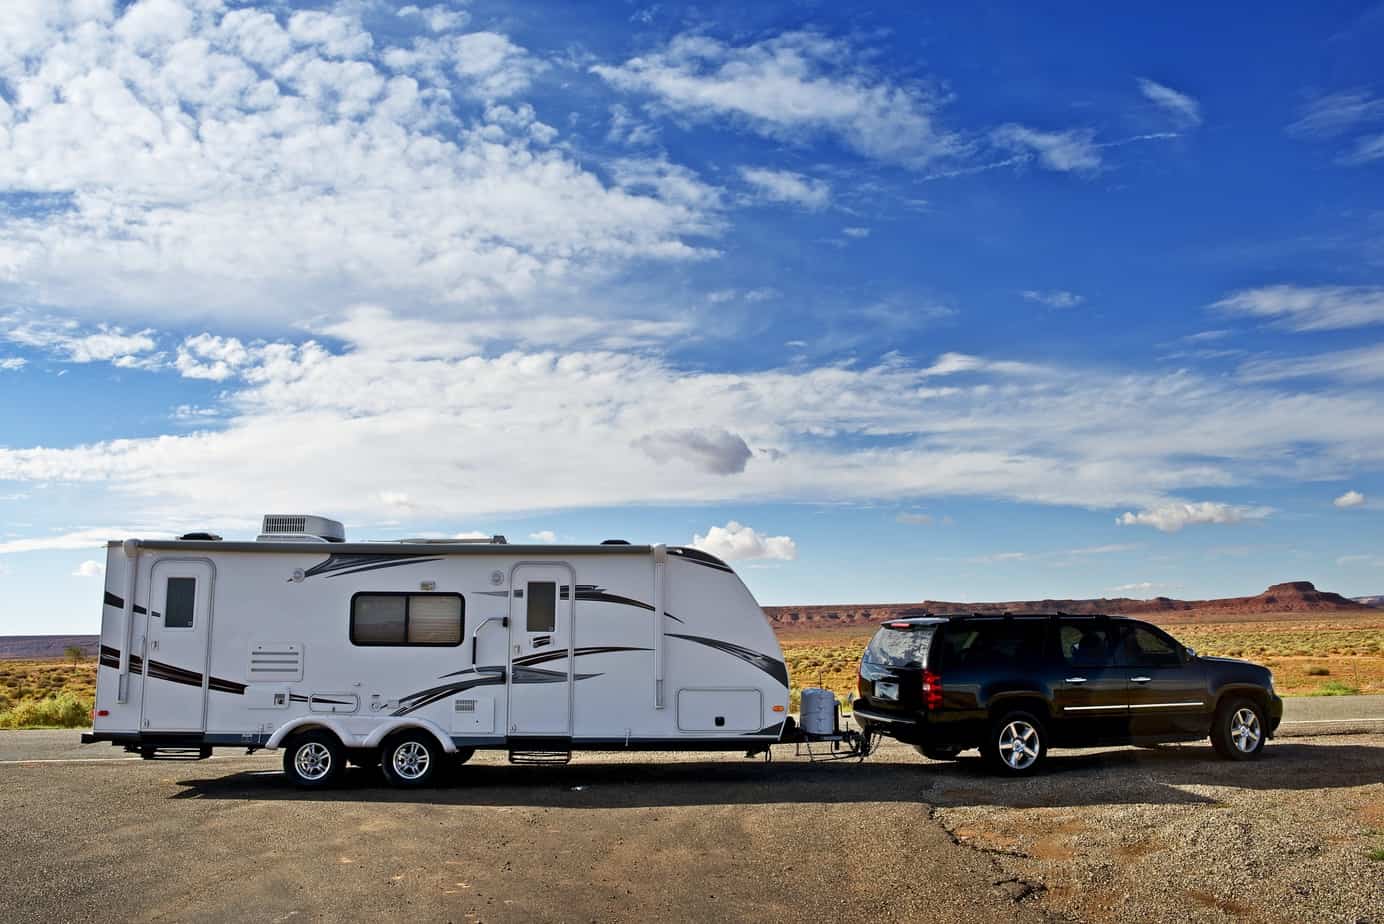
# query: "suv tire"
{"points": [[1237, 732], [411, 759], [1016, 743], [314, 759]]}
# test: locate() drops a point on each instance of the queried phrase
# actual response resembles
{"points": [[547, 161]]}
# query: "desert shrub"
{"points": [[62, 711], [1335, 688], [1318, 671]]}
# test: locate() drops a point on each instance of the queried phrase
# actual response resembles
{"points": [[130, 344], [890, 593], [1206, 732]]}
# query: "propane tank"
{"points": [[818, 711]]}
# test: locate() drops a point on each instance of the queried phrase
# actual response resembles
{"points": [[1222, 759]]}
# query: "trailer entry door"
{"points": [[175, 650], [540, 659]]}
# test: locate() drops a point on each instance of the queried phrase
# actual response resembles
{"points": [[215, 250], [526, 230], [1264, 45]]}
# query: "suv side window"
{"points": [[1087, 643], [1144, 647], [993, 643]]}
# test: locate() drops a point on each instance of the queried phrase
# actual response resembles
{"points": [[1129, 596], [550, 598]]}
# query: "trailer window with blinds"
{"points": [[405, 619]]}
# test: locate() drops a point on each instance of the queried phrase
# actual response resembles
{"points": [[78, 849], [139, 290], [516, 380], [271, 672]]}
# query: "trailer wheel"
{"points": [[314, 759], [411, 758]]}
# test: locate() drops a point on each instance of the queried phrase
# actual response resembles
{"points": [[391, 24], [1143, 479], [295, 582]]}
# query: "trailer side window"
{"points": [[407, 619], [542, 609], [180, 602]]}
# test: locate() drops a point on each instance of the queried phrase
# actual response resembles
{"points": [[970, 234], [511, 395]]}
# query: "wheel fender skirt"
{"points": [[444, 740], [330, 723]]}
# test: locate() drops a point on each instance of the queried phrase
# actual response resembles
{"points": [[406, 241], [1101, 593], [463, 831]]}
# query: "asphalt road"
{"points": [[1104, 835]]}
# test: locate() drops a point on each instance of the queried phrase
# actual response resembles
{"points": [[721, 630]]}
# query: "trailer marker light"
{"points": [[778, 708]]}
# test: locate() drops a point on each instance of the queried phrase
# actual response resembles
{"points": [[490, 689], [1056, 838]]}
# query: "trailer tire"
{"points": [[314, 759], [411, 759]]}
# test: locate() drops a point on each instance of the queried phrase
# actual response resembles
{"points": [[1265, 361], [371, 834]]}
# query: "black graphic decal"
{"points": [[774, 668], [700, 557], [354, 563]]}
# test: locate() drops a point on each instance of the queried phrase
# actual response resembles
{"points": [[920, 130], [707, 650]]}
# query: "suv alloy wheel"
{"points": [[1017, 743]]}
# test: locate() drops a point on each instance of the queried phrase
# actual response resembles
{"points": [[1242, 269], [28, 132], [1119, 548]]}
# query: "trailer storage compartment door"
{"points": [[720, 710]]}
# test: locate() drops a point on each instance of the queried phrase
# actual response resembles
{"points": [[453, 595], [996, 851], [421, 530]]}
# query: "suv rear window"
{"points": [[900, 647]]}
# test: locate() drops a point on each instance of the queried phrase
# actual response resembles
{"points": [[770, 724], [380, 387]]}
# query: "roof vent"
{"points": [[297, 527]]}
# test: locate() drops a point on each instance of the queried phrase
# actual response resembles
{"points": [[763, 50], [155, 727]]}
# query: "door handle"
{"points": [[1076, 679], [1140, 679]]}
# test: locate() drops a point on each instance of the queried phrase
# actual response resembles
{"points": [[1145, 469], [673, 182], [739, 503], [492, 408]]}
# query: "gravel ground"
{"points": [[1122, 834]]}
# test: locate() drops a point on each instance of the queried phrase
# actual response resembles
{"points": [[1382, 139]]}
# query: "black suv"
{"points": [[1014, 685]]}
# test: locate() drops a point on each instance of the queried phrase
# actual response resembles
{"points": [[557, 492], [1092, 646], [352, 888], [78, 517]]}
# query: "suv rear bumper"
{"points": [[865, 716]]}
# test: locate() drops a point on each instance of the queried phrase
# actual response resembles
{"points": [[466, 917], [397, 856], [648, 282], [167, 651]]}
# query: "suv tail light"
{"points": [[932, 690]]}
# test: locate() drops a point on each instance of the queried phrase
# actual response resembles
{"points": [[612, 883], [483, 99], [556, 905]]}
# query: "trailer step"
{"points": [[171, 753], [541, 758]]}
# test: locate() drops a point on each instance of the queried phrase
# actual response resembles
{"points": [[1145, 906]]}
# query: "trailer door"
{"points": [[540, 650], [175, 652]]}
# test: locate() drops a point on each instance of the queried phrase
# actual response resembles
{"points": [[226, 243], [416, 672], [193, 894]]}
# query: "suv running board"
{"points": [[543, 758]]}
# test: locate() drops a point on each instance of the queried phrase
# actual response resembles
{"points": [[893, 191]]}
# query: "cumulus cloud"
{"points": [[792, 86], [1057, 298], [1172, 516], [69, 341], [544, 536], [90, 568], [428, 410], [1309, 308], [716, 451], [213, 161], [1073, 151], [787, 186], [1185, 110], [1350, 499], [737, 542]]}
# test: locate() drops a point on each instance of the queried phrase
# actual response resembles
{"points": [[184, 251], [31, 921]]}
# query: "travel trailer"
{"points": [[413, 654]]}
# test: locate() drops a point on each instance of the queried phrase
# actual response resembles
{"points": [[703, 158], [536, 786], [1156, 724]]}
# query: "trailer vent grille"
{"points": [[283, 524], [276, 662], [466, 705]]}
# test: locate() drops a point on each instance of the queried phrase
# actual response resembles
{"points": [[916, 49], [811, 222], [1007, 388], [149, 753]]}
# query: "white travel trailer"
{"points": [[415, 653]]}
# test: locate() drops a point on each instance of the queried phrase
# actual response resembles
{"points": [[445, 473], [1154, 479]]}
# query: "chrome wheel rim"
{"points": [[1244, 730], [313, 760], [1019, 744], [411, 760]]}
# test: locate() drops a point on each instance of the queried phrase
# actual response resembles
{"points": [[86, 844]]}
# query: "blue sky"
{"points": [[882, 303]]}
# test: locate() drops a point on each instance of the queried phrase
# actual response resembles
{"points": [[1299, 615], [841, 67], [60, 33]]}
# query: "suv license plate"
{"points": [[886, 690]]}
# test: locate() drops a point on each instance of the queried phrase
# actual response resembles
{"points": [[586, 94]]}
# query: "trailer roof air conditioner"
{"points": [[298, 527]]}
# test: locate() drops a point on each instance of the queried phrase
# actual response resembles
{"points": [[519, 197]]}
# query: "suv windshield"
{"points": [[900, 647]]}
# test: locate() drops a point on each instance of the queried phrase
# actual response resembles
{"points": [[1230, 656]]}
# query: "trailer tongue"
{"points": [[819, 736]]}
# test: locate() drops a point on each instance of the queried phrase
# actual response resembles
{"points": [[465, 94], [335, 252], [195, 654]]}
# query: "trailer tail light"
{"points": [[102, 713], [932, 690]]}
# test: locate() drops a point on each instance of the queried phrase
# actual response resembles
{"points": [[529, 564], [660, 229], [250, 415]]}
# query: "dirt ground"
{"points": [[1114, 835]]}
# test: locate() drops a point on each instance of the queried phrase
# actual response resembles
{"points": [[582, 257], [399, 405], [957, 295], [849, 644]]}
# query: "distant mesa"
{"points": [[1288, 597]]}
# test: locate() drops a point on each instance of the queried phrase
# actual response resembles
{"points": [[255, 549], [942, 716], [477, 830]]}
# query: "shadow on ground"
{"points": [[1153, 776]]}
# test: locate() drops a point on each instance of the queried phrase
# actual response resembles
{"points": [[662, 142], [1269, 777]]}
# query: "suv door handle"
{"points": [[1140, 679], [1076, 679]]}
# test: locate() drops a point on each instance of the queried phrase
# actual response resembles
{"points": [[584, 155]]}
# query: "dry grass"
{"points": [[46, 694], [1312, 657]]}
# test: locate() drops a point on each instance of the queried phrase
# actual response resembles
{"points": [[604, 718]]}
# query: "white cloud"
{"points": [[1349, 499], [437, 18], [787, 186], [215, 162], [13, 363], [914, 519], [716, 451], [1362, 365], [67, 340], [433, 410], [1172, 516], [78, 539], [472, 534], [544, 536], [1367, 150], [736, 542], [1309, 308], [90, 568], [998, 558], [1140, 587], [1185, 110], [626, 129], [791, 87], [1057, 298], [857, 233], [1336, 113], [1073, 151]]}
